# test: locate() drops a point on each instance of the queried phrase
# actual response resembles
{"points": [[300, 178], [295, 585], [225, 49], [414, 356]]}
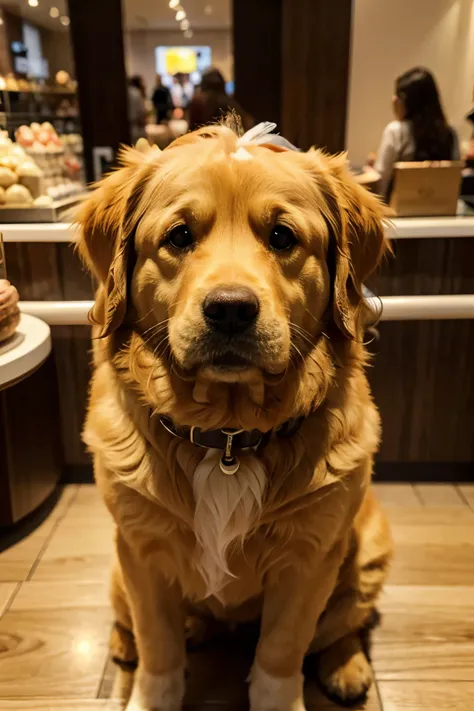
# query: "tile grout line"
{"points": [[418, 495], [43, 548], [15, 592], [461, 494], [108, 661], [377, 689]]}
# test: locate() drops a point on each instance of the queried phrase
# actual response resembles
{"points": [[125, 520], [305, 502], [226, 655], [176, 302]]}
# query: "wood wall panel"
{"points": [[97, 40], [257, 57], [291, 66], [316, 39]]}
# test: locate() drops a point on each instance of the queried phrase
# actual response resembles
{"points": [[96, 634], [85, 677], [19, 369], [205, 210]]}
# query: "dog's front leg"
{"points": [[158, 625], [293, 603]]}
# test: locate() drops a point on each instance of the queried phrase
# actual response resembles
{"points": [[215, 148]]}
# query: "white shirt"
{"points": [[397, 144]]}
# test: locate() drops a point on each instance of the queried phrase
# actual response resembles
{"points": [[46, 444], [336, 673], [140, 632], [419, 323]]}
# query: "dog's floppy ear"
{"points": [[107, 221], [357, 241]]}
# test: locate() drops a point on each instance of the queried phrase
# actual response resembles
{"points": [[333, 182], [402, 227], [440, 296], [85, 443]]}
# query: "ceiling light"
{"points": [[54, 12], [64, 20], [208, 9], [33, 3], [180, 15], [1, 20], [184, 24], [188, 34], [173, 3]]}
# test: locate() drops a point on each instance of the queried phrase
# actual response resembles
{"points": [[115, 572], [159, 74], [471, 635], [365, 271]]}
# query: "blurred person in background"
{"points": [[137, 108], [182, 91], [470, 119], [212, 102], [161, 99], [420, 131]]}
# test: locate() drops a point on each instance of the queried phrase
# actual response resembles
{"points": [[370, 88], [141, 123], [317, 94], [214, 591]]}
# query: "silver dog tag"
{"points": [[229, 464]]}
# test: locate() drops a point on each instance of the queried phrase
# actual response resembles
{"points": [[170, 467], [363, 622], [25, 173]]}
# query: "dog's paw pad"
{"points": [[349, 682]]}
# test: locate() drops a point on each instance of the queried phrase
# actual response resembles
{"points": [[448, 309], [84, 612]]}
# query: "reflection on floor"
{"points": [[56, 620]]}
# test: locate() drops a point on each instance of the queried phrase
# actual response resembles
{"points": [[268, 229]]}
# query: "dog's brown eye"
{"points": [[282, 238], [180, 237]]}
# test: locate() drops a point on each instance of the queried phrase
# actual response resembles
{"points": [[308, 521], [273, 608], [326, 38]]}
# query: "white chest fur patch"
{"points": [[226, 509], [241, 154]]}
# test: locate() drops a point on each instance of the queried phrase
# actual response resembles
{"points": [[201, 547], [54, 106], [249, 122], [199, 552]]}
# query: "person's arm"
{"points": [[386, 159], [455, 152]]}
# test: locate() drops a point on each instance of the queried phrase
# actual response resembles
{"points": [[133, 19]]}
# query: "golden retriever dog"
{"points": [[230, 418]]}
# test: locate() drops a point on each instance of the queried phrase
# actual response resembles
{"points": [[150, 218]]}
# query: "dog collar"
{"points": [[228, 440]]}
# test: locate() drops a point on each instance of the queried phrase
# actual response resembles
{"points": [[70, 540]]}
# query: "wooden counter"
{"points": [[30, 456], [422, 376]]}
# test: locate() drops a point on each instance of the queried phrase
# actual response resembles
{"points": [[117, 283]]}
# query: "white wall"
{"points": [[140, 50], [391, 36]]}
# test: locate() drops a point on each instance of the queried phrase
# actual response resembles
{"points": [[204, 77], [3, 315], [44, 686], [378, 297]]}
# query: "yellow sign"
{"points": [[180, 59]]}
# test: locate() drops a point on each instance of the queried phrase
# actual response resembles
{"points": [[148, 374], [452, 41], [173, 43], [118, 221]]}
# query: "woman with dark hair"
{"points": [[212, 102], [420, 131]]}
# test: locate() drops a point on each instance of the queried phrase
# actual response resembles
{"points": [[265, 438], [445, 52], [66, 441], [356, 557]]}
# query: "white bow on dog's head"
{"points": [[262, 134]]}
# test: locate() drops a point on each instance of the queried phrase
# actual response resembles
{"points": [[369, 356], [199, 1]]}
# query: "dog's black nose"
{"points": [[230, 309]]}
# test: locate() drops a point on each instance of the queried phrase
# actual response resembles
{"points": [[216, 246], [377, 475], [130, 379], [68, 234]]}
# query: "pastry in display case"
{"points": [[41, 173], [41, 150], [9, 310]]}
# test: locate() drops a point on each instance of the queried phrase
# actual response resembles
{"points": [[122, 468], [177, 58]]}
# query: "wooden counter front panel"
{"points": [[47, 271], [421, 267], [53, 272], [422, 380], [422, 375]]}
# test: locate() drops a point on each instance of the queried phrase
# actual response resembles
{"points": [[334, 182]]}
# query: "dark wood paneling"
{"points": [[47, 271], [426, 472], [427, 266], [257, 57], [72, 346], [422, 380], [97, 40], [54, 272], [422, 376], [31, 460], [315, 71]]}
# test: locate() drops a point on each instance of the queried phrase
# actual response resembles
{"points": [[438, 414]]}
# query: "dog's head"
{"points": [[231, 259]]}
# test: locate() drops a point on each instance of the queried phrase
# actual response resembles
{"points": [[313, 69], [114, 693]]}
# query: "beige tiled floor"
{"points": [[56, 619]]}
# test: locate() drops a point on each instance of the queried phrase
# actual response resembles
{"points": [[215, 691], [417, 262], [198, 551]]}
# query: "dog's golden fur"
{"points": [[295, 536]]}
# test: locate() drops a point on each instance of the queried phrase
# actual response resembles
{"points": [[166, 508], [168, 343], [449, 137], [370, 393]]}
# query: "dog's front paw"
{"points": [[270, 693], [346, 678], [152, 692]]}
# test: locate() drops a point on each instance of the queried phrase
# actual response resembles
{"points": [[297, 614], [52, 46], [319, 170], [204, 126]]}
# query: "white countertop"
{"points": [[38, 232], [29, 346], [401, 228]]}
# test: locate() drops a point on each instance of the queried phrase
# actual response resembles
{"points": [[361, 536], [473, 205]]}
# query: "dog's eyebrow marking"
{"points": [[241, 154]]}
